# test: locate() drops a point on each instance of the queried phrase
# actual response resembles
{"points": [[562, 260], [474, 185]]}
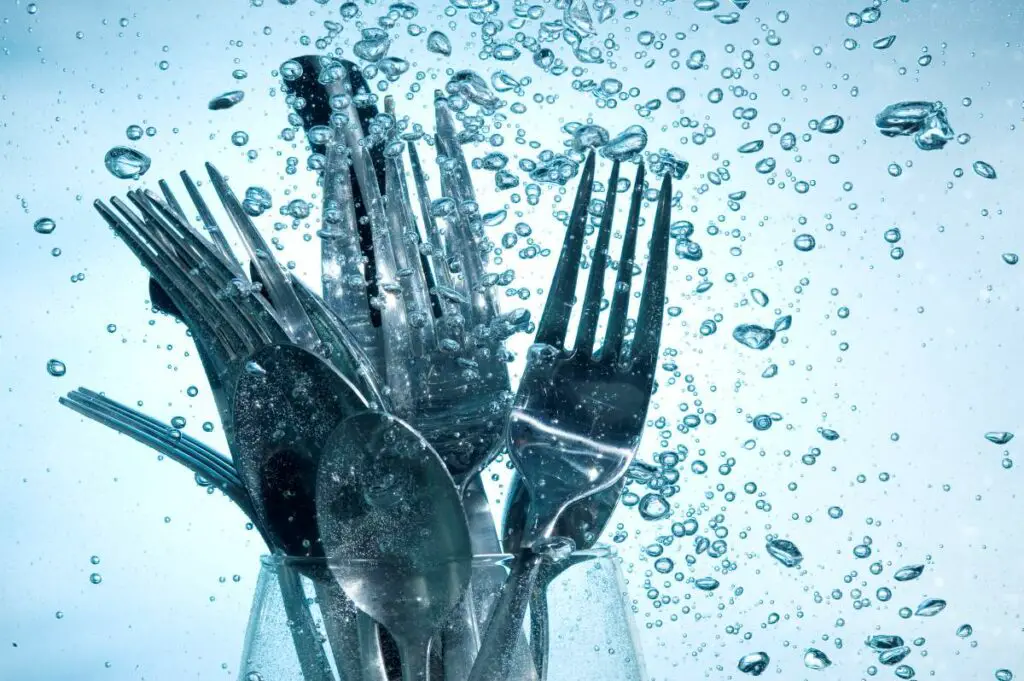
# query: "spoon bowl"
{"points": [[394, 530], [287, 403]]}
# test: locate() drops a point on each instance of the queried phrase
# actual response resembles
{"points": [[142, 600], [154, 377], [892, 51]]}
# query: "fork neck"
{"points": [[541, 521]]}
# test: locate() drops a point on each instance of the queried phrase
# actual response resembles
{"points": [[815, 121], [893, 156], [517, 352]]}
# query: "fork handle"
{"points": [[501, 641], [312, 659], [540, 634]]}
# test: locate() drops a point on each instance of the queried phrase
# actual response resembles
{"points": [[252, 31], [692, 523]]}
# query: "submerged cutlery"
{"points": [[420, 303], [394, 531], [583, 522], [577, 418], [232, 319], [214, 469], [286, 404]]}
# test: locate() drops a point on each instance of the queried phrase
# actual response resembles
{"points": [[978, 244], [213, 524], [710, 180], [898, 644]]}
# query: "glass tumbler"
{"points": [[589, 630]]}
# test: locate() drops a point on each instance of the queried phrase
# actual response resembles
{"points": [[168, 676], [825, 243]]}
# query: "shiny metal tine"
{"points": [[405, 236], [554, 323], [395, 343], [164, 257], [158, 239], [212, 458], [185, 239], [442, 277], [296, 322], [148, 436], [254, 319], [595, 283], [221, 341], [456, 185], [340, 250], [150, 259], [232, 488], [205, 269], [216, 233], [624, 280], [195, 297], [439, 278], [171, 199], [646, 337]]}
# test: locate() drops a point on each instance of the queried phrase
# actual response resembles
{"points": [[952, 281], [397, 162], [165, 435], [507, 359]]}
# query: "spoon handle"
{"points": [[500, 642], [415, 660], [461, 639]]}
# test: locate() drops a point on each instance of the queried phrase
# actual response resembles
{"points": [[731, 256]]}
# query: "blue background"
{"points": [[934, 338]]}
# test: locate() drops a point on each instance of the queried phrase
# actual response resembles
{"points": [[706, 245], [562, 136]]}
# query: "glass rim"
{"points": [[477, 559]]}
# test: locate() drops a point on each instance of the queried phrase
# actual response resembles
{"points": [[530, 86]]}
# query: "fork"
{"points": [[216, 470], [579, 413], [227, 314], [224, 310], [421, 303], [212, 468]]}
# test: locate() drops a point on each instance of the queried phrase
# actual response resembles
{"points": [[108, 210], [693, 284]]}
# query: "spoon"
{"points": [[583, 522], [394, 531], [287, 403]]}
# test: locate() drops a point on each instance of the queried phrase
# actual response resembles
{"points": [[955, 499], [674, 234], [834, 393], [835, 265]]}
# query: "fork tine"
{"points": [[405, 237], [184, 238], [624, 280], [644, 349], [193, 252], [439, 268], [595, 283], [226, 345], [341, 255], [195, 295], [395, 348], [216, 233], [457, 185], [124, 414], [555, 321], [297, 322], [172, 200]]}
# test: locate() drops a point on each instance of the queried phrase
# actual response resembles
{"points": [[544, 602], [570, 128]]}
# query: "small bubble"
{"points": [[56, 368], [984, 170], [44, 226], [804, 242], [126, 163]]}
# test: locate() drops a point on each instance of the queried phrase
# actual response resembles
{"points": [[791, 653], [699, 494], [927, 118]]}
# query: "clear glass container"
{"points": [[590, 629]]}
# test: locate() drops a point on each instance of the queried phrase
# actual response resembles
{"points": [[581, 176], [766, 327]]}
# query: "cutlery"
{"points": [[212, 468], [393, 530], [433, 321], [579, 413], [583, 522], [286, 404], [201, 281], [216, 470]]}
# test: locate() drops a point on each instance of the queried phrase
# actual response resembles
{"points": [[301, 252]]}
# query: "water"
{"points": [[44, 226], [126, 163], [838, 369], [226, 100]]}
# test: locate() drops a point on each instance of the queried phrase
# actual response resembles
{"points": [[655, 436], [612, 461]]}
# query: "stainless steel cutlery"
{"points": [[359, 421]]}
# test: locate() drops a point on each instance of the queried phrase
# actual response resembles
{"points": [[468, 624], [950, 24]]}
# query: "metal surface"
{"points": [[579, 412], [394, 530]]}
